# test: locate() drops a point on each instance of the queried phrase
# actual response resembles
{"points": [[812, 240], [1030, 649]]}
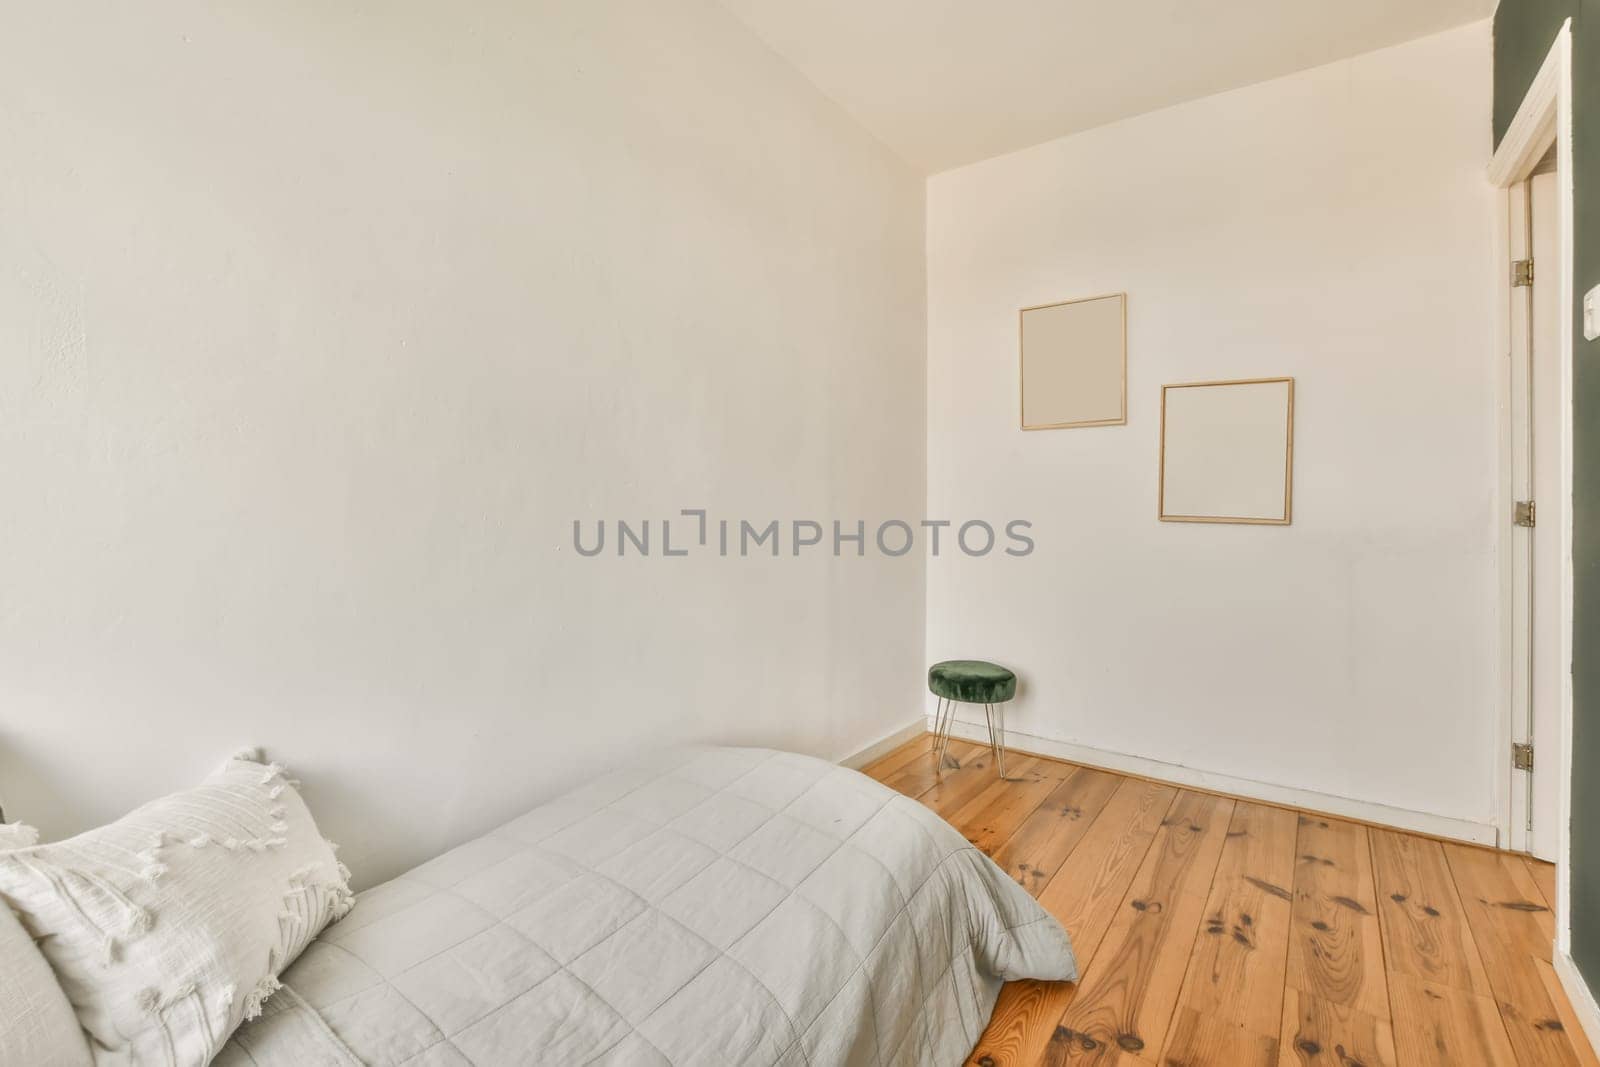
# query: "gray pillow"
{"points": [[37, 1026]]}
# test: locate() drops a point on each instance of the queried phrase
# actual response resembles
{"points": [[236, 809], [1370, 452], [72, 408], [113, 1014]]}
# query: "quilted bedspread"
{"points": [[709, 906]]}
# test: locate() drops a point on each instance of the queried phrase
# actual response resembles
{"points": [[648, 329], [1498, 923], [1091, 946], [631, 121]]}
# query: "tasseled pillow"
{"points": [[170, 926]]}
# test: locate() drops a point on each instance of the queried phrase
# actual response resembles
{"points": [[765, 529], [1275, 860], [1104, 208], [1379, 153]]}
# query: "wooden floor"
{"points": [[1217, 932]]}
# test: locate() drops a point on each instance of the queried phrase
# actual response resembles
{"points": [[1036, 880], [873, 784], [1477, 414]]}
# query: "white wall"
{"points": [[1333, 226], [321, 323]]}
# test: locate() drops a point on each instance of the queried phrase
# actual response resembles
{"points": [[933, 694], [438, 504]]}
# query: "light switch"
{"points": [[1591, 314]]}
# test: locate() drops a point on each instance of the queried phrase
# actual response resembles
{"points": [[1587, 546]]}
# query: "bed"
{"points": [[706, 906]]}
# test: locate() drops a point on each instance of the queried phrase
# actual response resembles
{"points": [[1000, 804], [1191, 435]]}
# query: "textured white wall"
{"points": [[320, 324], [1334, 226]]}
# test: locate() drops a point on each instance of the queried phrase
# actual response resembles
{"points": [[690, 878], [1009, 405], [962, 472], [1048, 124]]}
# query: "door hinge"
{"points": [[1522, 755], [1521, 273], [1524, 515]]}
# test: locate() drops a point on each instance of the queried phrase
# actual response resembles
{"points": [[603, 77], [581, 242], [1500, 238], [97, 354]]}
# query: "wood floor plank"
{"points": [[1570, 1024], [1230, 1012], [1544, 876], [1514, 929], [1084, 895], [1042, 843], [1425, 930], [1088, 890], [1335, 947], [1500, 882], [1444, 1026], [955, 789], [1020, 1027], [1125, 1002], [990, 819], [1089, 843], [1198, 1040], [1320, 1033], [892, 761], [921, 775], [1043, 766]]}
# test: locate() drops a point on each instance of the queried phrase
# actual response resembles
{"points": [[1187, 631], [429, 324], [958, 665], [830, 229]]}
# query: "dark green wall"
{"points": [[1523, 32]]}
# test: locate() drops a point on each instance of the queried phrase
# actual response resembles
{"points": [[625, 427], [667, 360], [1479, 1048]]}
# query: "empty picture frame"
{"points": [[1075, 363], [1227, 451]]}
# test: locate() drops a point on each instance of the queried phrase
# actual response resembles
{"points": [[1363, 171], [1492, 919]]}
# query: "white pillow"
{"points": [[37, 1026], [171, 925]]}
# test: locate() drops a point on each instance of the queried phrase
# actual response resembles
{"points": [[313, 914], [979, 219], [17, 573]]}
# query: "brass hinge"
{"points": [[1524, 515], [1522, 755], [1521, 273]]}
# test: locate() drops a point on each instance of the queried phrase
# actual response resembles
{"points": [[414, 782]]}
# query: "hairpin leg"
{"points": [[944, 717], [1000, 722], [997, 735]]}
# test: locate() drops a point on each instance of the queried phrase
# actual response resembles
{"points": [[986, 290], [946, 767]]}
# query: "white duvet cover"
{"points": [[710, 906]]}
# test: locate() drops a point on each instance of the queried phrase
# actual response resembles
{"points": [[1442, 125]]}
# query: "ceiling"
{"points": [[947, 82]]}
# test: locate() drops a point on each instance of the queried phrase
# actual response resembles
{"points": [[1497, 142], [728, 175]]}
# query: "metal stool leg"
{"points": [[997, 739], [944, 736], [945, 759], [942, 723], [1000, 722]]}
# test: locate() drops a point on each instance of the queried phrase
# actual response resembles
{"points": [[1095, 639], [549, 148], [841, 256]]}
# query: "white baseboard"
{"points": [[1289, 796], [885, 744], [1579, 993]]}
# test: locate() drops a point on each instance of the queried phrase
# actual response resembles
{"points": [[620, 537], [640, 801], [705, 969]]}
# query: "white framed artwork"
{"points": [[1074, 363], [1227, 451]]}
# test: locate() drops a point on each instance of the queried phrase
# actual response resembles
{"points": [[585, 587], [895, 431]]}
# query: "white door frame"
{"points": [[1543, 118]]}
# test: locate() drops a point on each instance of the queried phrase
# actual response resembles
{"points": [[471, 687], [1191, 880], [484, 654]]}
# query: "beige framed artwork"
{"points": [[1227, 451], [1074, 363]]}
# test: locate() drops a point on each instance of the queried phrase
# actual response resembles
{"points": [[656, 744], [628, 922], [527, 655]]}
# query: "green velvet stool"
{"points": [[971, 681]]}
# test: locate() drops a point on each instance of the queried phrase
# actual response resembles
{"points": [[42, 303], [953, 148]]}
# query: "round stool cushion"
{"points": [[972, 681]]}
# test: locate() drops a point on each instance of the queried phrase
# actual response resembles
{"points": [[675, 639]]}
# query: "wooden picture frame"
{"points": [[1078, 354], [1227, 452]]}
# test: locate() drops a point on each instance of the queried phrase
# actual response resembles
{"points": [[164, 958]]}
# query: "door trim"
{"points": [[1543, 118]]}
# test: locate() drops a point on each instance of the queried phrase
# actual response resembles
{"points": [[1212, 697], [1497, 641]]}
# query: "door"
{"points": [[1537, 393]]}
